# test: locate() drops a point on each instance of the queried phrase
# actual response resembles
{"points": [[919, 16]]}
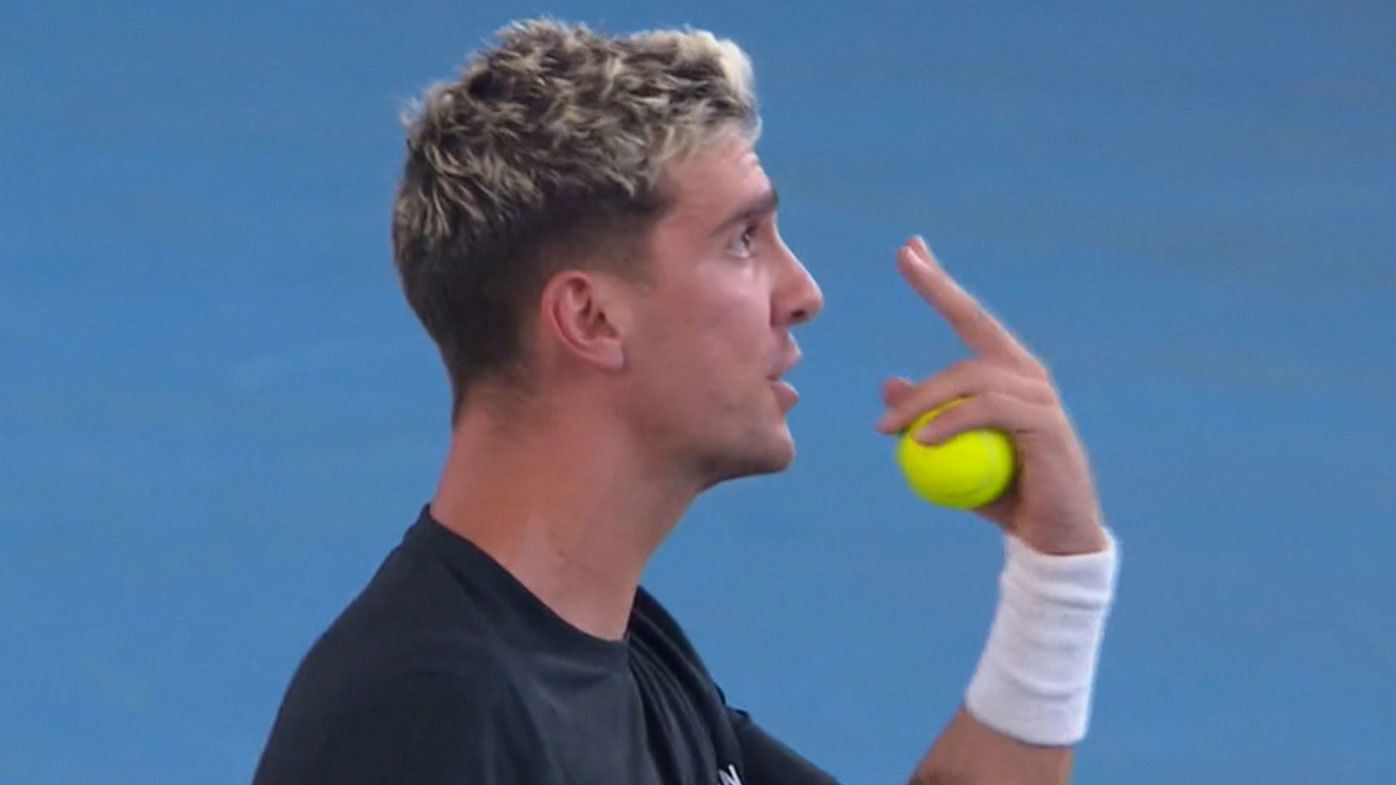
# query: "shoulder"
{"points": [[396, 715], [471, 700], [409, 661], [427, 727], [412, 616]]}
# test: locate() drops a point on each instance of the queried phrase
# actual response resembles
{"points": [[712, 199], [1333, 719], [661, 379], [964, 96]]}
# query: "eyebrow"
{"points": [[764, 204]]}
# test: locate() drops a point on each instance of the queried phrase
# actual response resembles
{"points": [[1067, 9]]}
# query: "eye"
{"points": [[746, 243]]}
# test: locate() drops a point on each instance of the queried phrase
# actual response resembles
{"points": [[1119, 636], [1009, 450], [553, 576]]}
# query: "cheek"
{"points": [[731, 330], [709, 349], [731, 350]]}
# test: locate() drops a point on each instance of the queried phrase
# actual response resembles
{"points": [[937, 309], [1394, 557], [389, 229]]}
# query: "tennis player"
{"points": [[585, 231]]}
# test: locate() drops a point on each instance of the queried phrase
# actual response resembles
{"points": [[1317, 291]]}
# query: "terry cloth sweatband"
{"points": [[1035, 676]]}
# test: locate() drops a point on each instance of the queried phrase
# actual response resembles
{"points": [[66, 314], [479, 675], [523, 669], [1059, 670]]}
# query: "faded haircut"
{"points": [[547, 152]]}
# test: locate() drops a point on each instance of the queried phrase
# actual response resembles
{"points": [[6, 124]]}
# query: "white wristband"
{"points": [[1035, 676]]}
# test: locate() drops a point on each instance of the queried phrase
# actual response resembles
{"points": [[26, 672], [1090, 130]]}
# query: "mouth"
{"points": [[786, 394], [791, 361]]}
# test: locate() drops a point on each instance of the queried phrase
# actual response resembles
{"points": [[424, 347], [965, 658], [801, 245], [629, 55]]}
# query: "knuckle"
{"points": [[1058, 417], [1047, 394], [997, 398]]}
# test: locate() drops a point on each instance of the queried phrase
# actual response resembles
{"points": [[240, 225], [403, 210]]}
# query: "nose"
{"points": [[798, 298]]}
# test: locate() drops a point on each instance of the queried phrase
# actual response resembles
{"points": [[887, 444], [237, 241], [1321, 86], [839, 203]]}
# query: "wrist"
{"points": [[1035, 678], [1089, 537]]}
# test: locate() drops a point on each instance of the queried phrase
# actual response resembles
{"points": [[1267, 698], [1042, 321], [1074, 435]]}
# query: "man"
{"points": [[585, 231]]}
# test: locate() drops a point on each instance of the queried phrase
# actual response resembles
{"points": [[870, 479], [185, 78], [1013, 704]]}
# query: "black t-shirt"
{"points": [[446, 669]]}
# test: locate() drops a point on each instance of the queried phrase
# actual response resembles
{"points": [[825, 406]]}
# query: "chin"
{"points": [[785, 450], [771, 455]]}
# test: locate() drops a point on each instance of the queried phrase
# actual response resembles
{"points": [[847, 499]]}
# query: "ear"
{"points": [[586, 314]]}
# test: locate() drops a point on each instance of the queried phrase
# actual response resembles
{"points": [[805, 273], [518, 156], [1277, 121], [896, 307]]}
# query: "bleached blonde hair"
{"points": [[548, 149]]}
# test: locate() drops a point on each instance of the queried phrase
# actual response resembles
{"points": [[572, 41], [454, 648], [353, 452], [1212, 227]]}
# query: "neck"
{"points": [[567, 503]]}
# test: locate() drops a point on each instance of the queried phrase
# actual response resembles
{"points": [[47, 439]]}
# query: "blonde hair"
{"points": [[553, 142]]}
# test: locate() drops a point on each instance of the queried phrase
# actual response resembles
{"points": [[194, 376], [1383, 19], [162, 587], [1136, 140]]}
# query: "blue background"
{"points": [[217, 415]]}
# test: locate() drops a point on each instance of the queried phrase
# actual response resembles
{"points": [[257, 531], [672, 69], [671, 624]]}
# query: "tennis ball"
{"points": [[968, 470]]}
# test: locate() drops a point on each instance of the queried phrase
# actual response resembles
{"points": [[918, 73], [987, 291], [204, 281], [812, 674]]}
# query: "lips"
{"points": [[790, 361], [787, 395]]}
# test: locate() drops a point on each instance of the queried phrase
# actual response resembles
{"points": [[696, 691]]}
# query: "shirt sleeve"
{"points": [[427, 729], [770, 762]]}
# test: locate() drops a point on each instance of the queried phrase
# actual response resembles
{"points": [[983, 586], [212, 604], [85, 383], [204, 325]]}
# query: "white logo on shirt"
{"points": [[728, 776]]}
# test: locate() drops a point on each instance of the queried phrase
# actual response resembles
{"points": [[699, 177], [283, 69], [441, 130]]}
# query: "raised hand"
{"points": [[1052, 504]]}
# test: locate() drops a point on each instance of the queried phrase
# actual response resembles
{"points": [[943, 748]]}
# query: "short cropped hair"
{"points": [[547, 153]]}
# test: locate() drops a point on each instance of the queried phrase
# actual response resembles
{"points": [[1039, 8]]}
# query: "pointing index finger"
{"points": [[978, 328]]}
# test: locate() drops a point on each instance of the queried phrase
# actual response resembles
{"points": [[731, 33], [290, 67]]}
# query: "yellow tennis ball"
{"points": [[968, 470]]}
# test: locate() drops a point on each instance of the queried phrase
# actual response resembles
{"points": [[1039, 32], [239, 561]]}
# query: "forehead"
{"points": [[706, 186]]}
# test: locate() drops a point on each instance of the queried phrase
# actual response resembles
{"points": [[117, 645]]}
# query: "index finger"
{"points": [[978, 328]]}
